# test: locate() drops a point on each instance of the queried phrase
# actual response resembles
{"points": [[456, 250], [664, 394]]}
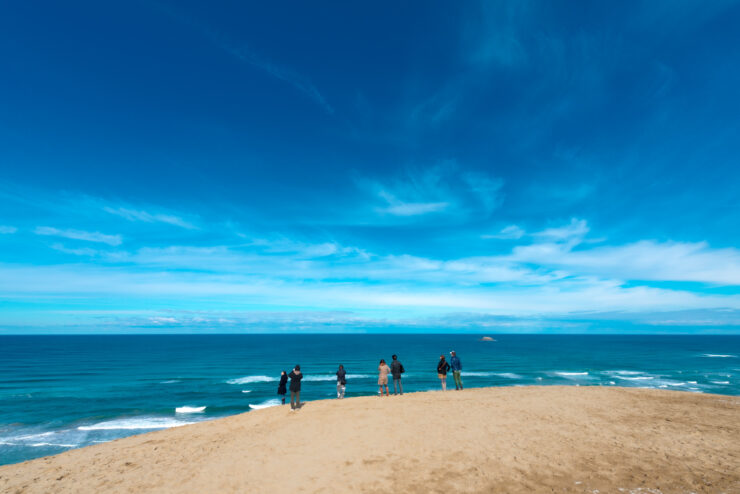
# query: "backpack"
{"points": [[402, 370]]}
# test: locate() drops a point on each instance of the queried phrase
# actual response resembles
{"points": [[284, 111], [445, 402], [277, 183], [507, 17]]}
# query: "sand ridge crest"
{"points": [[512, 440]]}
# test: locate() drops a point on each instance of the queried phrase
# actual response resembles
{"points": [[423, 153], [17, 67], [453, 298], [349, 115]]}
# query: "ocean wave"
{"points": [[39, 445], [171, 381], [571, 374], [252, 379], [635, 378], [190, 409], [265, 404], [141, 423], [246, 390], [715, 355], [720, 382], [508, 375]]}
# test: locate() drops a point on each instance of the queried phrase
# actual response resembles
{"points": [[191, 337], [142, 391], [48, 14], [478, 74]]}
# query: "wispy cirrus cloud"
{"points": [[7, 229], [246, 54], [511, 232], [147, 217], [103, 238], [441, 189], [573, 231], [643, 260]]}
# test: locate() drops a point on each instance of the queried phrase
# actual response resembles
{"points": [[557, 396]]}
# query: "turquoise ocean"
{"points": [[64, 392]]}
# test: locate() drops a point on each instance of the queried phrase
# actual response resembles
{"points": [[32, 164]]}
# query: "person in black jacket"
{"points": [[281, 387], [341, 381], [295, 387], [442, 368], [396, 371]]}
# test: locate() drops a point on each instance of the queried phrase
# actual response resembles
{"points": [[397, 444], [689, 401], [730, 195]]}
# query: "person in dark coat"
{"points": [[442, 368], [396, 371], [282, 391], [341, 381], [295, 387]]}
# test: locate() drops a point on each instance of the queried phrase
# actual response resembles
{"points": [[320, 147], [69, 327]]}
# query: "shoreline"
{"points": [[497, 439]]}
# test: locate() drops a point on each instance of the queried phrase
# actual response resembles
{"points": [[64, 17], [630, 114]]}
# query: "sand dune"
{"points": [[509, 440]]}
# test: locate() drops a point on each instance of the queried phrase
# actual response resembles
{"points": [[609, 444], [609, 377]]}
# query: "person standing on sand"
{"points": [[456, 367], [383, 371], [295, 388], [442, 368], [281, 387], [341, 381], [396, 371]]}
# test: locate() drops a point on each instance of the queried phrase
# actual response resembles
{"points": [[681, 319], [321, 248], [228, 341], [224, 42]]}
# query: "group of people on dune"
{"points": [[395, 370]]}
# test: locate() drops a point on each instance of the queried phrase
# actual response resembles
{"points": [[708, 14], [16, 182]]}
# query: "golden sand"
{"points": [[508, 440]]}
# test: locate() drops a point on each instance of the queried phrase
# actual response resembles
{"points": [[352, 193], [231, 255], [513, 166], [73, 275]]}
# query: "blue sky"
{"points": [[388, 166]]}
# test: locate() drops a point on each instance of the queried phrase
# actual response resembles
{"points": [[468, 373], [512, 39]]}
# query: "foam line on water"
{"points": [[252, 379], [141, 423], [187, 409], [265, 404]]}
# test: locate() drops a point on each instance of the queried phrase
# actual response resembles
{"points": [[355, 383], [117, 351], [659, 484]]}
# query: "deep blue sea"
{"points": [[63, 392]]}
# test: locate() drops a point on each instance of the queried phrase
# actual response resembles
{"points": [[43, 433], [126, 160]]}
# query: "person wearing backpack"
{"points": [[442, 368], [341, 381], [282, 390], [456, 367], [295, 388], [396, 371]]}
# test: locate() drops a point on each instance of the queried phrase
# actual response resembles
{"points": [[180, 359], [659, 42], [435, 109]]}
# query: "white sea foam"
{"points": [[171, 381], [252, 379], [571, 374], [246, 390], [315, 378], [140, 423], [266, 404], [39, 445], [714, 355], [333, 377], [720, 382], [508, 375], [36, 436], [635, 378], [190, 409]]}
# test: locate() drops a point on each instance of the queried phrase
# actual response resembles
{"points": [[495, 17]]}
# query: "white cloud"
{"points": [[5, 229], [398, 207], [438, 189], [79, 235], [644, 260], [246, 54], [146, 217], [575, 230], [511, 232]]}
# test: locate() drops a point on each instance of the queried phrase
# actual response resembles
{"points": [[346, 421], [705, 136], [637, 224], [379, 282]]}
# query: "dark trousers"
{"points": [[295, 399], [397, 386]]}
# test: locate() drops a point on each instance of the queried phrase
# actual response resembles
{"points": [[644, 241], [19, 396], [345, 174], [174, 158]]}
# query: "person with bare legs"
{"points": [[442, 368], [383, 371], [341, 381]]}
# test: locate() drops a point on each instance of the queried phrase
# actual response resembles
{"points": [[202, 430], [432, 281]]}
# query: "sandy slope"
{"points": [[533, 439]]}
